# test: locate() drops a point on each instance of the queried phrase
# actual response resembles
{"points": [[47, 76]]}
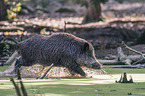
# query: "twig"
{"points": [[16, 87], [23, 89], [135, 51]]}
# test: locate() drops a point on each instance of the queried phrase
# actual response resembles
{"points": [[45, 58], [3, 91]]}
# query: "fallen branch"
{"points": [[125, 59], [135, 51], [130, 66], [128, 59], [142, 56], [12, 58], [11, 61], [111, 62], [23, 89]]}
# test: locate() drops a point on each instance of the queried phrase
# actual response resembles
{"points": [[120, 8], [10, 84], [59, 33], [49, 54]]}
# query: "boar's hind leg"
{"points": [[76, 68], [18, 64]]}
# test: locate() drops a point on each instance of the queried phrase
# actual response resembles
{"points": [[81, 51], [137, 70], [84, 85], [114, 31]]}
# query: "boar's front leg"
{"points": [[77, 69], [73, 66]]}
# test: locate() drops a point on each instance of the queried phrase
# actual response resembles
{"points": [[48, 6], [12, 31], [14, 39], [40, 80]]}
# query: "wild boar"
{"points": [[61, 49]]}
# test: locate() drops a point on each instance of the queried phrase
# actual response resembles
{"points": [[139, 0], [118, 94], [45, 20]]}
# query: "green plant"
{"points": [[14, 9]]}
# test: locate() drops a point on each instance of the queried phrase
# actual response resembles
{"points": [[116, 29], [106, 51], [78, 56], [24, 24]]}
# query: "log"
{"points": [[133, 50], [110, 62], [11, 29], [44, 10], [65, 10], [122, 57], [128, 59], [125, 59], [139, 59], [29, 8], [130, 66]]}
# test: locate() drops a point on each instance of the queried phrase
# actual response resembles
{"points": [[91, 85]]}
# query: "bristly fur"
{"points": [[61, 49]]}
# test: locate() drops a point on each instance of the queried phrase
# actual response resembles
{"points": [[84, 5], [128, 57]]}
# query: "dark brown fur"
{"points": [[61, 49]]}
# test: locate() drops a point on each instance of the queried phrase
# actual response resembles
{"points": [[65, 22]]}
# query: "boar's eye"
{"points": [[86, 47]]}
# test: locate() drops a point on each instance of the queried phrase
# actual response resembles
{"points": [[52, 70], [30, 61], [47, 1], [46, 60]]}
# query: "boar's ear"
{"points": [[86, 47]]}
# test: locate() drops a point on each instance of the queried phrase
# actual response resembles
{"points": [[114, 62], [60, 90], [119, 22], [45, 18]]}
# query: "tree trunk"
{"points": [[3, 13], [93, 12]]}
